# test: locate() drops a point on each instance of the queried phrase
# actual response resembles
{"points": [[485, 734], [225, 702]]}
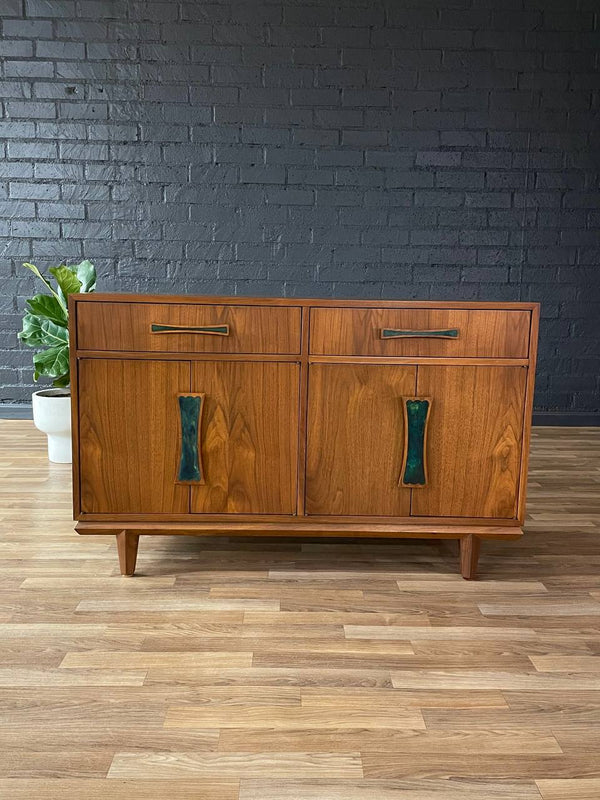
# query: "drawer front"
{"points": [[187, 328], [438, 332]]}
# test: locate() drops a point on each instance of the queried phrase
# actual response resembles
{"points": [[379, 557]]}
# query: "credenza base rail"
{"points": [[469, 536]]}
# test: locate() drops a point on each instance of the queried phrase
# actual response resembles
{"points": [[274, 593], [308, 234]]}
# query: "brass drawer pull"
{"points": [[212, 330], [392, 333]]}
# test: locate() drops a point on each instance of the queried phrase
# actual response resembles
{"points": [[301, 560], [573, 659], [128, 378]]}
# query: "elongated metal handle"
{"points": [[393, 333], [211, 330], [414, 466], [190, 461]]}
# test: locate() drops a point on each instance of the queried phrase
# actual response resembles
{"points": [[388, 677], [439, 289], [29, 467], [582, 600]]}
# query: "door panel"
{"points": [[474, 441], [248, 437], [356, 439], [129, 435]]}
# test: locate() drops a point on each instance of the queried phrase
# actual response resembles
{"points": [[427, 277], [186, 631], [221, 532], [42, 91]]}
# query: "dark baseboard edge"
{"points": [[567, 419], [15, 411]]}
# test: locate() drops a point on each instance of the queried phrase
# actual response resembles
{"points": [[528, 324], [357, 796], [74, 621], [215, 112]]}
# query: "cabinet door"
{"points": [[129, 436], [248, 437], [356, 439], [473, 441]]}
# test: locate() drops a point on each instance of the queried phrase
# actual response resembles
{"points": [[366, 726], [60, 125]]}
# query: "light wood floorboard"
{"points": [[237, 669]]}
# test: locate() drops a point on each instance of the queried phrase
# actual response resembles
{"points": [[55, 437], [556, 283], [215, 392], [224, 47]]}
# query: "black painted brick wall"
{"points": [[442, 149]]}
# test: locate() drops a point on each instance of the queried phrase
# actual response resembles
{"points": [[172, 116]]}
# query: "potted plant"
{"points": [[45, 327]]}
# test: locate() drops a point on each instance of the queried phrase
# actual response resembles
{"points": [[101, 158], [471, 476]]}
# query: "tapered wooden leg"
{"points": [[469, 556], [127, 547]]}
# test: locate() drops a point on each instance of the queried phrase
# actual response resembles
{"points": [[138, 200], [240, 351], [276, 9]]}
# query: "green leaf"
{"points": [[62, 381], [67, 281], [45, 322], [41, 332], [86, 272], [53, 362], [32, 333], [44, 305], [54, 334], [38, 274]]}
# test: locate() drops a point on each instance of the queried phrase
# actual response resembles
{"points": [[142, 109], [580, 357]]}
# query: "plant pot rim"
{"points": [[60, 394]]}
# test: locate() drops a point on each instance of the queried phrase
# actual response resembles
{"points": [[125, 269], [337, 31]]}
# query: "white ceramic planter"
{"points": [[52, 416]]}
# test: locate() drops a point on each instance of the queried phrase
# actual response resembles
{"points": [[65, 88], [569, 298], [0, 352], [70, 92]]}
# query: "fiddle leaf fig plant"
{"points": [[45, 324]]}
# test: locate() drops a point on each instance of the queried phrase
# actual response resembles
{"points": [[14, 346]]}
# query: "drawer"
{"points": [[439, 332], [187, 328]]}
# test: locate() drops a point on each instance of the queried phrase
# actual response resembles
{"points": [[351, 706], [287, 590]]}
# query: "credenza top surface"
{"points": [[105, 297]]}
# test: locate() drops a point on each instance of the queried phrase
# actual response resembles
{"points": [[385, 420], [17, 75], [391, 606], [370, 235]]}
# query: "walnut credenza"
{"points": [[208, 415]]}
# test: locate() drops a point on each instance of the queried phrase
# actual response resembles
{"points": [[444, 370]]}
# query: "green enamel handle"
{"points": [[416, 416], [213, 330], [190, 461], [392, 333]]}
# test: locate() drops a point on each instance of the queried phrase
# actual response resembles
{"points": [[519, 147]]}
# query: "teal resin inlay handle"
{"points": [[190, 462], [215, 330], [392, 333], [416, 416]]}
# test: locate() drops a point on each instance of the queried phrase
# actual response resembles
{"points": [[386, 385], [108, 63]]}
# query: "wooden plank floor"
{"points": [[286, 670]]}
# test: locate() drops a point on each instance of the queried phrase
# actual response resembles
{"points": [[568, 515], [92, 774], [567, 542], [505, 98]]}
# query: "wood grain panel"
{"points": [[474, 441], [566, 663], [129, 434], [270, 676], [394, 740], [337, 716], [436, 633], [373, 789], [176, 602], [127, 326], [357, 331], [540, 710], [21, 676], [92, 762], [166, 765], [458, 767], [356, 438], [101, 789], [549, 606], [515, 681], [249, 437], [114, 659], [569, 789]]}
